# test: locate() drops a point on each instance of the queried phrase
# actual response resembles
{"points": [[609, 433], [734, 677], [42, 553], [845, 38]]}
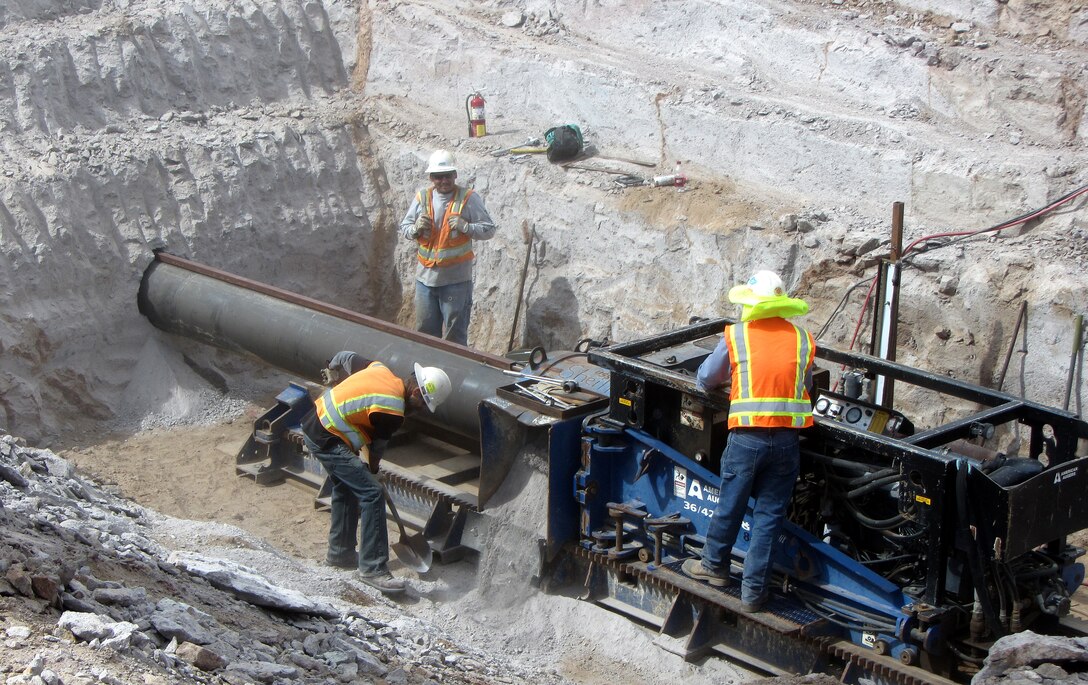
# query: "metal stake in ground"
{"points": [[529, 235]]}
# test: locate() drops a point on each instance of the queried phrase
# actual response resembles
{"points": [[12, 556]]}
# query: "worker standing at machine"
{"points": [[347, 431], [768, 361], [444, 220]]}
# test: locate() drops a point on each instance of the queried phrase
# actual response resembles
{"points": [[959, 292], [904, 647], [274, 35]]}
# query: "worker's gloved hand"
{"points": [[458, 223], [422, 228], [374, 458], [329, 376]]}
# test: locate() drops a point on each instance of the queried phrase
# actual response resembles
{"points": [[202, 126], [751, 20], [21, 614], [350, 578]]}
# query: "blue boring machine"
{"points": [[906, 554]]}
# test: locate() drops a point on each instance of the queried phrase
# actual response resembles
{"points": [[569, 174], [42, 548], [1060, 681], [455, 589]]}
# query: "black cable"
{"points": [[874, 524], [862, 480], [840, 306], [845, 464], [873, 485], [854, 481], [897, 537], [978, 661]]}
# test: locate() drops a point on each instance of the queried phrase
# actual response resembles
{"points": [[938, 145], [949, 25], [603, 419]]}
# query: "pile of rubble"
{"points": [[87, 595], [1030, 658]]}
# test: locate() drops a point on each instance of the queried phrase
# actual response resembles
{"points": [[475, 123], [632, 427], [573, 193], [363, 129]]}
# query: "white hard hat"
{"points": [[434, 384], [441, 161]]}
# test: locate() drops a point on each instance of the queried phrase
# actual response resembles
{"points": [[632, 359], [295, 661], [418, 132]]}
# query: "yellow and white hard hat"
{"points": [[764, 296], [441, 161], [762, 286], [434, 384]]}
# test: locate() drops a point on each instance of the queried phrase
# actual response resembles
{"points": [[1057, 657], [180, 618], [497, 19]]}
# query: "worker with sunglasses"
{"points": [[444, 220]]}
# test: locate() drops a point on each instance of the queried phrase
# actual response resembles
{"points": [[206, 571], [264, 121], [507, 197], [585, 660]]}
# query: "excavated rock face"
{"points": [[130, 127], [282, 141]]}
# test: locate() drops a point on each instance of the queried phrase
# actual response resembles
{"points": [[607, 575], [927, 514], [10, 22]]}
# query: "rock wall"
{"points": [[800, 124], [218, 131], [281, 140]]}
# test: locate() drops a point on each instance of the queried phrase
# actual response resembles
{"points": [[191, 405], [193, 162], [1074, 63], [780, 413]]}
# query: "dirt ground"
{"points": [[189, 473]]}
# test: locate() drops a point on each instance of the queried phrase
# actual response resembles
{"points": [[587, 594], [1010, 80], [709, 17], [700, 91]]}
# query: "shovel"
{"points": [[413, 550]]}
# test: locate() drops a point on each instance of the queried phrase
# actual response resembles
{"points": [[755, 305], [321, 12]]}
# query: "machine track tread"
{"points": [[403, 479], [838, 649], [889, 669]]}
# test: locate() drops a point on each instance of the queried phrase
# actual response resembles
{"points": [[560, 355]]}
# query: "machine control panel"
{"points": [[861, 414]]}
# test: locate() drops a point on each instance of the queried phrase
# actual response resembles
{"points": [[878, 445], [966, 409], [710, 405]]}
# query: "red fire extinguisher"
{"points": [[474, 107]]}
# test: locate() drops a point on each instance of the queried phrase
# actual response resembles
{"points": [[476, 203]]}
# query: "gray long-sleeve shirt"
{"points": [[480, 227]]}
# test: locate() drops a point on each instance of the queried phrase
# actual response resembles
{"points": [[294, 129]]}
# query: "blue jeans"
{"points": [[443, 311], [357, 498], [762, 464]]}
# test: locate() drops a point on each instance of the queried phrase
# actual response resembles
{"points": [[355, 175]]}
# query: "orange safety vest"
{"points": [[444, 247], [345, 409], [769, 359]]}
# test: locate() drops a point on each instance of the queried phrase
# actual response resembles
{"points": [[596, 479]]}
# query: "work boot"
{"points": [[695, 569], [755, 606], [345, 561], [384, 581]]}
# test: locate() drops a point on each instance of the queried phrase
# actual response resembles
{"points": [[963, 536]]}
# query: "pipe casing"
{"points": [[300, 340]]}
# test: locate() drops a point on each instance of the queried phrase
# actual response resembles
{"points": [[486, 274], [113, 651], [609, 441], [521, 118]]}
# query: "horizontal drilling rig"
{"points": [[906, 554]]}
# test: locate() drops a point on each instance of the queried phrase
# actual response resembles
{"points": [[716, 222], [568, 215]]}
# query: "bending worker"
{"points": [[444, 220], [768, 361], [347, 432]]}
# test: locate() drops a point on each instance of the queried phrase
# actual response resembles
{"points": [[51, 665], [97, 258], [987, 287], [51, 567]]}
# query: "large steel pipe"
{"points": [[299, 334]]}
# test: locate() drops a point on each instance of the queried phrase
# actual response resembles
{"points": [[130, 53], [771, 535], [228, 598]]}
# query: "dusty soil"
{"points": [[188, 473]]}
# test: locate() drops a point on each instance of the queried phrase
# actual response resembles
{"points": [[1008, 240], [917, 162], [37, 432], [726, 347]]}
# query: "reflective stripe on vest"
{"points": [[768, 374], [345, 410], [446, 247]]}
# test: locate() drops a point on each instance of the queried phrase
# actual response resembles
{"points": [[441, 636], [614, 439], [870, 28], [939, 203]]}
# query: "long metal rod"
{"points": [[530, 238], [299, 335], [889, 312], [1012, 344]]}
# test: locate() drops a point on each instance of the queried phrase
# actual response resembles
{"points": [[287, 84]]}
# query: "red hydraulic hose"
{"points": [[1008, 224], [1069, 197]]}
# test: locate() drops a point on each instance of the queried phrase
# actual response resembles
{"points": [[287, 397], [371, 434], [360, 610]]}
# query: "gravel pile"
{"points": [[89, 596]]}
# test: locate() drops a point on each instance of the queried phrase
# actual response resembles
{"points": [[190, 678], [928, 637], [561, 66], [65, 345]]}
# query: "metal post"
{"points": [[1012, 344], [889, 306], [529, 234], [1078, 332]]}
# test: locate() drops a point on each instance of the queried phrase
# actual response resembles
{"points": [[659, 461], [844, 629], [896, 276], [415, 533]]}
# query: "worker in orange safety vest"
{"points": [[768, 362], [347, 431], [443, 220]]}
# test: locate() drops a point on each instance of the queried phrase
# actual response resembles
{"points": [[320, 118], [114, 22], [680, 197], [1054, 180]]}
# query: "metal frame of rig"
{"points": [[906, 553]]}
